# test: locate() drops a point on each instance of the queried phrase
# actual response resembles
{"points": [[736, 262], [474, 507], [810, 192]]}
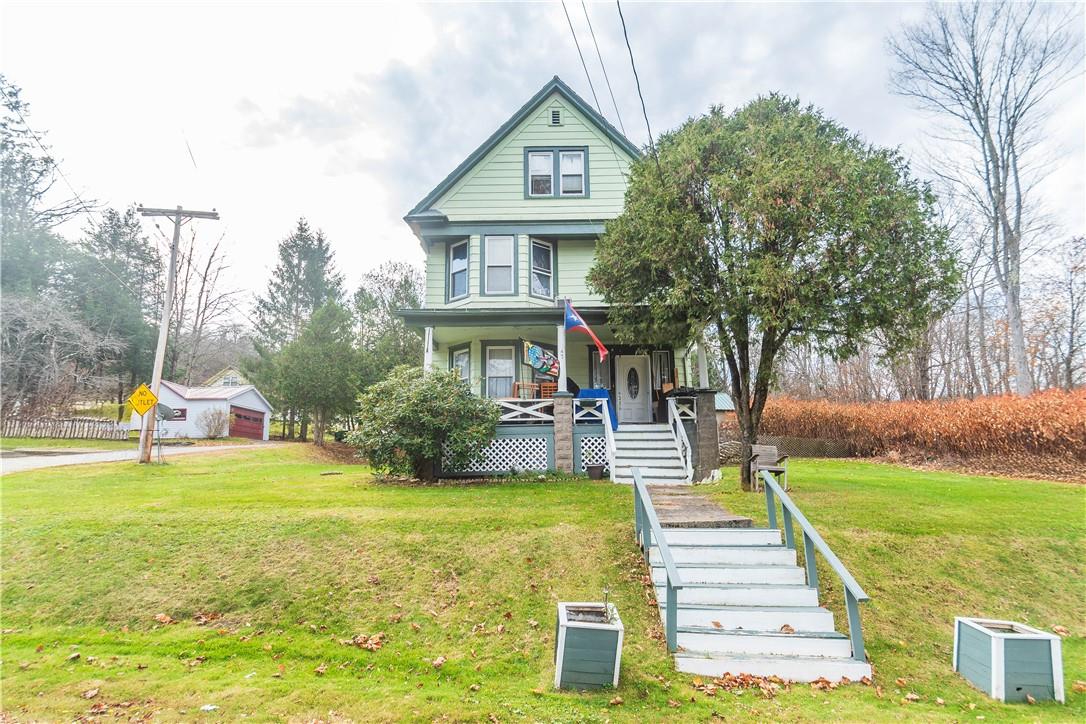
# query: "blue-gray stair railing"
{"points": [[648, 529], [812, 541]]}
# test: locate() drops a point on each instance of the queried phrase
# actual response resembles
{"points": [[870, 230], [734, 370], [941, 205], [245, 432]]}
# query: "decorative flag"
{"points": [[575, 323], [539, 359]]}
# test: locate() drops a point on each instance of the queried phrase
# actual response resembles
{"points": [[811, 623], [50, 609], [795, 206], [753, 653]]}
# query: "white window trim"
{"points": [[512, 265], [466, 376], [467, 270], [550, 165], [486, 367], [532, 268], [561, 189]]}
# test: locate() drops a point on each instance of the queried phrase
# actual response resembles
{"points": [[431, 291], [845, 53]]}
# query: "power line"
{"points": [[581, 56], [56, 166], [603, 66], [637, 80]]}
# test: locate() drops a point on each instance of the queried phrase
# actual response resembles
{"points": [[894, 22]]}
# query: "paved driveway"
{"points": [[34, 462]]}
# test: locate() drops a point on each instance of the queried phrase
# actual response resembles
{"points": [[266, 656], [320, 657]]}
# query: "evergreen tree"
{"points": [[384, 340]]}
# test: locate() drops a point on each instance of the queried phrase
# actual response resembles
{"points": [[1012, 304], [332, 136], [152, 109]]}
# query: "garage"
{"points": [[246, 423]]}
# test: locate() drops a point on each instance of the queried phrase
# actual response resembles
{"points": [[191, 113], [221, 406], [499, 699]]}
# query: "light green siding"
{"points": [[494, 189], [574, 258]]}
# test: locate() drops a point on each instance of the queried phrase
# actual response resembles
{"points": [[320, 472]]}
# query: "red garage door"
{"points": [[246, 423]]}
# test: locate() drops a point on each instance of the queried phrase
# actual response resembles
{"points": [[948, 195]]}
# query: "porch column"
{"points": [[563, 431], [560, 334], [703, 364], [428, 349]]}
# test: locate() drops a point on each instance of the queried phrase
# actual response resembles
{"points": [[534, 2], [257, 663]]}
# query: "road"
{"points": [[34, 462]]}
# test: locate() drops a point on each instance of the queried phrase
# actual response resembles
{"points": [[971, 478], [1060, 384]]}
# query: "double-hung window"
{"points": [[599, 373], [461, 362], [541, 173], [499, 372], [661, 368], [498, 273], [572, 172], [542, 269], [458, 270]]}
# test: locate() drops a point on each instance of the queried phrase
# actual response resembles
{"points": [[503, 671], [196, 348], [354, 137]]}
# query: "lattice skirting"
{"points": [[593, 452], [507, 453]]}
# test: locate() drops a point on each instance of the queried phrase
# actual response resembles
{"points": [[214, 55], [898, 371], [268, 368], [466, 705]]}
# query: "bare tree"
{"points": [[991, 67]]}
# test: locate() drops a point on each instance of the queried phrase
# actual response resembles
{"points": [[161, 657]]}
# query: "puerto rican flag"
{"points": [[575, 323]]}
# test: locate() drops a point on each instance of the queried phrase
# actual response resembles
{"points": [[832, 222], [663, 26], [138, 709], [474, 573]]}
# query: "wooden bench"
{"points": [[766, 457]]}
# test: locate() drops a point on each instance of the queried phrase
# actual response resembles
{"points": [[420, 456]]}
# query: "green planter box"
{"points": [[588, 646], [1008, 660]]}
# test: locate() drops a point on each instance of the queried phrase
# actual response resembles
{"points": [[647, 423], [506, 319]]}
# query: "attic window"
{"points": [[556, 117]]}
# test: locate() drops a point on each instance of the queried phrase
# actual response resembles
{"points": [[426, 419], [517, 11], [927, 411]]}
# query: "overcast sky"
{"points": [[349, 114]]}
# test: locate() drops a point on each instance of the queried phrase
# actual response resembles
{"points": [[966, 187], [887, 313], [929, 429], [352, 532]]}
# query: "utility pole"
{"points": [[147, 432]]}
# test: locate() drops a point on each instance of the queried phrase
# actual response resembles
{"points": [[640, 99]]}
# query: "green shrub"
{"points": [[410, 419]]}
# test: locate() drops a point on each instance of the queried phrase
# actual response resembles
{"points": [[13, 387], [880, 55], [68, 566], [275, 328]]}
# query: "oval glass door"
{"points": [[633, 383]]}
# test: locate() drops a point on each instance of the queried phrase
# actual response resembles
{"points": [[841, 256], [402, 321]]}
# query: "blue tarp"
{"points": [[600, 393]]}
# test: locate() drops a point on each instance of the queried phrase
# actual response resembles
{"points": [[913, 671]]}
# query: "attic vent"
{"points": [[556, 117]]}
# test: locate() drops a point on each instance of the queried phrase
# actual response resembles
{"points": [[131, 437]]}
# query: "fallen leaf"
{"points": [[1030, 699], [878, 691], [493, 718], [939, 701], [415, 626], [533, 624], [362, 641], [279, 672], [716, 624], [164, 619], [1079, 687], [673, 704], [474, 687], [787, 629], [866, 681], [1062, 631], [900, 682], [972, 706], [501, 628], [912, 697], [319, 671], [91, 693], [373, 580], [39, 648], [617, 701], [438, 662], [538, 691], [508, 615], [73, 657], [202, 619]]}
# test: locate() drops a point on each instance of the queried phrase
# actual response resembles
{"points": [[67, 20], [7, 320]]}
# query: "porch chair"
{"points": [[765, 457], [547, 389], [525, 390]]}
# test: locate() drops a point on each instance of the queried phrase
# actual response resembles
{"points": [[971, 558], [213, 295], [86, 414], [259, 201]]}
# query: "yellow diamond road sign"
{"points": [[142, 399]]}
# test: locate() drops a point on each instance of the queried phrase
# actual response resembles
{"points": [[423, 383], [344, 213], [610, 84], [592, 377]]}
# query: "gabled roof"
{"points": [[422, 210], [212, 393], [210, 381]]}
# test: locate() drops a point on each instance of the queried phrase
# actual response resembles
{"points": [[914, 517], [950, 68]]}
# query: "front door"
{"points": [[633, 388]]}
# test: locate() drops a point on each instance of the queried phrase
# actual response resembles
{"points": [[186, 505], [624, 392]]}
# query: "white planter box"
{"points": [[588, 646]]}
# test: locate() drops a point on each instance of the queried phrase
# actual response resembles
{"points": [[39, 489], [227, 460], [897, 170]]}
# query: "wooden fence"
{"points": [[86, 428]]}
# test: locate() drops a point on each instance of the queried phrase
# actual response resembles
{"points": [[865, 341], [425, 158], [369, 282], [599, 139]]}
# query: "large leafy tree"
{"points": [[318, 370], [769, 224], [384, 340]]}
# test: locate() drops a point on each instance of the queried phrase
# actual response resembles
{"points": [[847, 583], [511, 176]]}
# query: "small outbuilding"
{"points": [[242, 410]]}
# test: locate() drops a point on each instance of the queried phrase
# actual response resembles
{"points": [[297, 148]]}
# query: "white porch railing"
{"points": [[679, 409], [532, 410], [609, 436], [597, 410]]}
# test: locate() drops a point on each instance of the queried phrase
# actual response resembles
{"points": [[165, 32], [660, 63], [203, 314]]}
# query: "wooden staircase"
{"points": [[735, 600]]}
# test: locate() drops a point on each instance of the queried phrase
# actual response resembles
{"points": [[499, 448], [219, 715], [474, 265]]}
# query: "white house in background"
{"points": [[249, 412]]}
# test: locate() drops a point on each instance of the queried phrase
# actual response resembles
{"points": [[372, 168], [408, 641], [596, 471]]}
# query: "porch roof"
{"points": [[496, 317]]}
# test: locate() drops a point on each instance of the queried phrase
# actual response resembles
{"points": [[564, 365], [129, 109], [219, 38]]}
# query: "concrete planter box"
{"points": [[1008, 660], [588, 646]]}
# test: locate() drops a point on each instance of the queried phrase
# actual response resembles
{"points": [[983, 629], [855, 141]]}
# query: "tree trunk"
{"points": [[1023, 377], [290, 425], [318, 428], [305, 427]]}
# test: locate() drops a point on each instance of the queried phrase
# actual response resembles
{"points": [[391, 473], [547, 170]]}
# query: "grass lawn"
{"points": [[295, 563], [11, 443]]}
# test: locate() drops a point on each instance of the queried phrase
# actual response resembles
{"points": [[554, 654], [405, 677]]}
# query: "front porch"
{"points": [[593, 412]]}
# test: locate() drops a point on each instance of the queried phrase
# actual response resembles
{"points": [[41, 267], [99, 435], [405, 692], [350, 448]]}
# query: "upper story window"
{"points": [[499, 252], [542, 269], [541, 173], [458, 270], [230, 381], [558, 172], [572, 167]]}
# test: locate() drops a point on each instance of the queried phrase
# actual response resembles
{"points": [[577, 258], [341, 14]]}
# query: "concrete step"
{"points": [[792, 668], [764, 643], [628, 446], [753, 618], [695, 573], [743, 594], [652, 474], [722, 536], [628, 456], [749, 555], [648, 435], [673, 479], [643, 427]]}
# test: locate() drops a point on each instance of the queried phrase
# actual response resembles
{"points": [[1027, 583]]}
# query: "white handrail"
{"points": [[682, 441], [609, 437], [526, 410]]}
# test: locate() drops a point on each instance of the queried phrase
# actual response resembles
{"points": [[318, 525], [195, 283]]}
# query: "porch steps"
{"points": [[745, 607], [651, 448]]}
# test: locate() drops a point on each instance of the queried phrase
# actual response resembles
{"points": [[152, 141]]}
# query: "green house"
{"points": [[509, 236]]}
